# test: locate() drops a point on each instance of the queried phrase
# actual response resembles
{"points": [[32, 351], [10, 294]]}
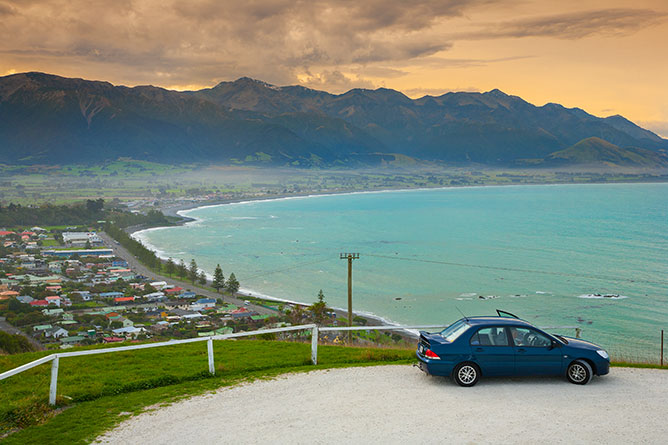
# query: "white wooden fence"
{"points": [[315, 330]]}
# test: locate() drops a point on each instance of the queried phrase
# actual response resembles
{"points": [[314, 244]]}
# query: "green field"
{"points": [[150, 182], [97, 389]]}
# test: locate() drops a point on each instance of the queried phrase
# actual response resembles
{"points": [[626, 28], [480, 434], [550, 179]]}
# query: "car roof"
{"points": [[491, 320]]}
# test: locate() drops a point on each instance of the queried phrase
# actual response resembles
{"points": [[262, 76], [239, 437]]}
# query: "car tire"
{"points": [[466, 374], [579, 372]]}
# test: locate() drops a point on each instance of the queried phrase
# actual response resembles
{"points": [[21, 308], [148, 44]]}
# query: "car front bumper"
{"points": [[602, 367]]}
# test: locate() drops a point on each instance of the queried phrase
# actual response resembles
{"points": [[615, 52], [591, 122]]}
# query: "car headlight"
{"points": [[603, 354]]}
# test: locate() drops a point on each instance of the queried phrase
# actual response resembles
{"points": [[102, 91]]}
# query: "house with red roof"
{"points": [[121, 300], [53, 299], [39, 303], [4, 233], [173, 290], [112, 339]]}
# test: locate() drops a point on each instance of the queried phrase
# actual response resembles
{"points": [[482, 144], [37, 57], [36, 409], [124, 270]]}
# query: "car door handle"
{"points": [[479, 349], [521, 350]]}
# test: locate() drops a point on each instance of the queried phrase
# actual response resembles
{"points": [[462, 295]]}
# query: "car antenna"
{"points": [[465, 317]]}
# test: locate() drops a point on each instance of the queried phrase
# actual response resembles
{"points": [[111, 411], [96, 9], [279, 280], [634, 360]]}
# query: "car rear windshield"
{"points": [[454, 330], [562, 339]]}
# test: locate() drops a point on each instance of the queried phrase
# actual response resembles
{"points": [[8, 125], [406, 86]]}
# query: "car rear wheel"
{"points": [[579, 372], [466, 374]]}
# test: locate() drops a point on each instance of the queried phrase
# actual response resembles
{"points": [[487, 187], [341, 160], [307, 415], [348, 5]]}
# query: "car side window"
{"points": [[493, 336], [529, 338]]}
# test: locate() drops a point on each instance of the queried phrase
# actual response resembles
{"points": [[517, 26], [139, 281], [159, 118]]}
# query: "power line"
{"points": [[513, 269], [286, 269]]}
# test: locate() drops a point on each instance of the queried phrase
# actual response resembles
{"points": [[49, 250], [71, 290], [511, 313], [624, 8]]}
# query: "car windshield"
{"points": [[454, 330]]}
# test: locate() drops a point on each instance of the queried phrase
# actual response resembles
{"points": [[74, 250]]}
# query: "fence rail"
{"points": [[315, 330]]}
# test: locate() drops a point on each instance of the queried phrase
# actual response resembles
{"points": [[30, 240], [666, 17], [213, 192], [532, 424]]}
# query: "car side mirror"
{"points": [[552, 345]]}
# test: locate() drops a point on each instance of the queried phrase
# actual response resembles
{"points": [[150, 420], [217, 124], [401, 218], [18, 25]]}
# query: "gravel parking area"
{"points": [[400, 404]]}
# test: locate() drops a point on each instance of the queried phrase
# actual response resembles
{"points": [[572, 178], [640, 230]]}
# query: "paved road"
{"points": [[10, 329], [399, 404], [138, 267]]}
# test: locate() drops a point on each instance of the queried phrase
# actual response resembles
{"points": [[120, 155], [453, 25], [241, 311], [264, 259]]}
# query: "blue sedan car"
{"points": [[500, 346]]}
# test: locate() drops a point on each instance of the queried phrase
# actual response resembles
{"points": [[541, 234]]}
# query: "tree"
{"points": [[232, 284], [88, 246], [319, 309], [295, 315], [202, 278], [192, 270], [218, 279], [181, 269], [170, 267]]}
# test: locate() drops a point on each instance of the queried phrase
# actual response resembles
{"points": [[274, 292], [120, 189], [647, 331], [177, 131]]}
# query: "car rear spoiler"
{"points": [[506, 314]]}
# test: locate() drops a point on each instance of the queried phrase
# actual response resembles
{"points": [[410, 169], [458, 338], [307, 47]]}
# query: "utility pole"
{"points": [[350, 257]]}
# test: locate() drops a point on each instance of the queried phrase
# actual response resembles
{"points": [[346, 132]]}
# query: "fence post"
{"points": [[209, 349], [578, 331], [314, 345], [54, 381], [661, 347]]}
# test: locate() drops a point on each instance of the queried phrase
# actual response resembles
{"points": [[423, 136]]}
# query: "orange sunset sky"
{"points": [[605, 56]]}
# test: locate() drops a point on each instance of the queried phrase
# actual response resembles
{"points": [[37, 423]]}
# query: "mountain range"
{"points": [[47, 119]]}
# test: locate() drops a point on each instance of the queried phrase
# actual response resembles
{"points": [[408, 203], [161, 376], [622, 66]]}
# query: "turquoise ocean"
{"points": [[543, 252]]}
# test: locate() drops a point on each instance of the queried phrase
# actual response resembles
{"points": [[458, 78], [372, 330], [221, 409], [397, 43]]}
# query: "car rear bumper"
{"points": [[434, 367]]}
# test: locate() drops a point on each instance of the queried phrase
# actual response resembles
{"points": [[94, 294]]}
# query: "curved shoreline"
{"points": [[192, 220]]}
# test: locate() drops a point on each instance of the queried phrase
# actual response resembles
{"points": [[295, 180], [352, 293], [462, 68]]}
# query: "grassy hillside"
{"points": [[98, 392], [597, 151]]}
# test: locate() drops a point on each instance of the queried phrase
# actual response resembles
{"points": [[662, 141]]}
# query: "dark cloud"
{"points": [[608, 22], [334, 81], [6, 10], [203, 41]]}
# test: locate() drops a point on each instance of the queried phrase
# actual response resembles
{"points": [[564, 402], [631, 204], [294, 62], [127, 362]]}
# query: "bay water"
{"points": [[592, 256]]}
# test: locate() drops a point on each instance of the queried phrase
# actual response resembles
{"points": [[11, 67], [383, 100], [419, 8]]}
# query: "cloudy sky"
{"points": [[606, 56]]}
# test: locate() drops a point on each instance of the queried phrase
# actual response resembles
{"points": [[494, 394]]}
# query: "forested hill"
{"points": [[46, 119]]}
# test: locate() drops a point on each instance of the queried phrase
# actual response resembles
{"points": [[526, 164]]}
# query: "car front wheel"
{"points": [[579, 372], [466, 374]]}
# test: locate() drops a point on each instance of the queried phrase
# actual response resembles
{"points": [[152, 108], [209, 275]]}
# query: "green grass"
{"points": [[97, 389], [624, 364]]}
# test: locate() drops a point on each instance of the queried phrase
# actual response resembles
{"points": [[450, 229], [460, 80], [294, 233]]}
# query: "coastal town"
{"points": [[69, 286]]}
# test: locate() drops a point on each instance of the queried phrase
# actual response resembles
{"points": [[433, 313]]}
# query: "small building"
{"points": [[126, 322], [111, 294], [53, 299], [80, 252], [172, 290], [128, 331], [188, 294], [123, 300], [25, 299], [206, 301], [84, 294], [52, 312], [72, 340], [39, 303], [112, 339], [80, 239], [56, 332], [41, 328]]}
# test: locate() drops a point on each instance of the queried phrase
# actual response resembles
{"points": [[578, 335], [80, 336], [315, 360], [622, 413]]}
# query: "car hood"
{"points": [[581, 344]]}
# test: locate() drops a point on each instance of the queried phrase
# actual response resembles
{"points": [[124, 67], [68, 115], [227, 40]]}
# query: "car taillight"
{"points": [[431, 354]]}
